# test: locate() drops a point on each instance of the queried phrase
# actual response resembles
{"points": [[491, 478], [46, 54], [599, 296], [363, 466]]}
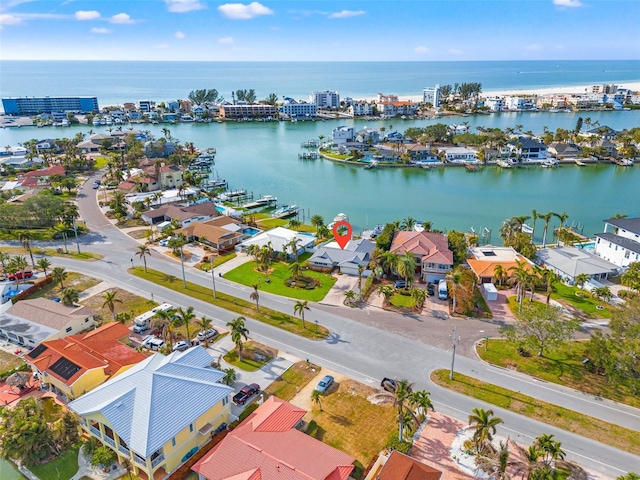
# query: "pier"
{"points": [[308, 156]]}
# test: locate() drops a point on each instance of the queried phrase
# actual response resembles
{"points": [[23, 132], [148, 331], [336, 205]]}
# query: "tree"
{"points": [[484, 426], [299, 308], [419, 296], [70, 296], [25, 240], [547, 218], [454, 278], [399, 394], [295, 269], [255, 296], [186, 317], [143, 251], [205, 324], [499, 274], [59, 275], [238, 332], [103, 457], [317, 221], [110, 300], [386, 291], [349, 296], [520, 274], [407, 267], [43, 264], [540, 327], [421, 402], [19, 264], [581, 279], [458, 244], [230, 376], [631, 277], [603, 292], [316, 397], [408, 224]]}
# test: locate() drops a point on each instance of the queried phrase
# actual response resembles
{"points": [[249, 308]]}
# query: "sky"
{"points": [[319, 30]]}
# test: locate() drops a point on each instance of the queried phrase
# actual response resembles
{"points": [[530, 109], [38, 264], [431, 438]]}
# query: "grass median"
{"points": [[584, 425], [233, 304]]}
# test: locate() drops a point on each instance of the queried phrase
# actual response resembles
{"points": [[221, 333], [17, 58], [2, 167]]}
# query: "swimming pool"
{"points": [[250, 231], [220, 209], [586, 246]]}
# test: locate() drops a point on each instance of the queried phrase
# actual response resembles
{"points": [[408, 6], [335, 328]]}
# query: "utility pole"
{"points": [[184, 278], [213, 277], [75, 229], [455, 340]]}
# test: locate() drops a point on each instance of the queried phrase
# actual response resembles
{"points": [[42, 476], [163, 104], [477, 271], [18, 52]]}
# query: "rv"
{"points": [[443, 293]]}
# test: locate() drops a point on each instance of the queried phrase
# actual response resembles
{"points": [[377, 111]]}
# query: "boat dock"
{"points": [[286, 211], [580, 163], [265, 201], [313, 143], [308, 156]]}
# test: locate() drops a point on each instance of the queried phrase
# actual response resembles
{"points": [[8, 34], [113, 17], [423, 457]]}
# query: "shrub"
{"points": [[402, 447]]}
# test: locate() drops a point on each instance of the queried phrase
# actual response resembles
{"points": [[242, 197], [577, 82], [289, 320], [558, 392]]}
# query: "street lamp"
{"points": [[184, 279], [75, 229], [455, 340], [213, 278]]}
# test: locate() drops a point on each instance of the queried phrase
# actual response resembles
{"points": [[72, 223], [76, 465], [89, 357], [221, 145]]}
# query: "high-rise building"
{"points": [[37, 105], [432, 95]]}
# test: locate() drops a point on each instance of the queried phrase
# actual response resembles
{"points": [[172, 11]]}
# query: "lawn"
{"points": [[402, 301], [241, 307], [583, 425], [585, 302], [349, 422], [62, 468], [217, 261], [562, 365], [131, 303], [100, 162], [74, 280], [47, 252], [269, 223], [293, 380], [244, 364], [8, 361], [246, 274]]}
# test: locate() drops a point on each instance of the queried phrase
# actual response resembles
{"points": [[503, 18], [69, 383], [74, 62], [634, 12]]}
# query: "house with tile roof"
{"points": [[40, 178], [157, 413], [152, 178], [431, 251], [485, 259], [279, 237], [569, 262], [30, 322], [221, 237], [356, 253], [620, 241], [185, 216], [393, 465], [267, 446], [74, 365]]}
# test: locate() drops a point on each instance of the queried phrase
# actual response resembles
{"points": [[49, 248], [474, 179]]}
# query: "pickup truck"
{"points": [[246, 393]]}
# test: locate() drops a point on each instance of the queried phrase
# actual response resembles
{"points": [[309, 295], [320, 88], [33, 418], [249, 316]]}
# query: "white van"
{"points": [[443, 292]]}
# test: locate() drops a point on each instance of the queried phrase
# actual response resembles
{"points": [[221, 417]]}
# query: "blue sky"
{"points": [[279, 30]]}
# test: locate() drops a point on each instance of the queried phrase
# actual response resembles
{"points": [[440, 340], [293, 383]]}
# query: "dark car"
{"points": [[246, 393], [431, 289], [389, 384]]}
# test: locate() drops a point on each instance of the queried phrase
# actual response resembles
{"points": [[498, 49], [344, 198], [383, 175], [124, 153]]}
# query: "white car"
{"points": [[180, 346], [207, 334]]}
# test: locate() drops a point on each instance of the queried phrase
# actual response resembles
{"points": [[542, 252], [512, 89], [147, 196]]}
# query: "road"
{"points": [[365, 349]]}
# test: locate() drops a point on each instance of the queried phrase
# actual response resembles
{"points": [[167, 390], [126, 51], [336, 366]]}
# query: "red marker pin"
{"points": [[342, 239]]}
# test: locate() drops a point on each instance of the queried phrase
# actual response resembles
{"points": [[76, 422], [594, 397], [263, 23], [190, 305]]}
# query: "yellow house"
{"points": [[73, 365], [159, 412]]}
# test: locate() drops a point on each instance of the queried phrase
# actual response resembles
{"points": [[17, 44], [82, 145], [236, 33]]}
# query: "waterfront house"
{"points": [[359, 109], [620, 241], [396, 108], [40, 178], [248, 111], [421, 154], [495, 104], [519, 103], [485, 259], [74, 365], [393, 465], [169, 117], [528, 150], [183, 215], [29, 322], [222, 238], [158, 148], [158, 413], [606, 144], [569, 262], [459, 154], [430, 249], [268, 446], [342, 135], [356, 253], [603, 131], [279, 237], [370, 136], [564, 150], [151, 178]]}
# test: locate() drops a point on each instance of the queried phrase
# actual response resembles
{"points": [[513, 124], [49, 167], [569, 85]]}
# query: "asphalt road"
{"points": [[369, 344]]}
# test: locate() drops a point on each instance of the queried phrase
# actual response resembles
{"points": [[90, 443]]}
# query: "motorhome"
{"points": [[443, 292]]}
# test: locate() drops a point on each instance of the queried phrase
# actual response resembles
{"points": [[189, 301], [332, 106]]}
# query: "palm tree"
{"points": [[25, 239], [581, 279], [408, 224], [495, 464], [165, 320], [419, 296], [70, 296], [386, 291], [534, 216], [547, 218], [59, 274], [186, 317], [230, 376], [43, 264], [349, 296], [4, 258], [255, 296], [454, 277], [205, 324], [499, 274], [293, 245], [316, 397], [484, 425], [238, 332], [19, 264], [317, 221], [110, 300], [407, 267], [421, 401], [295, 269], [299, 308], [521, 277], [549, 277], [399, 395], [143, 251]]}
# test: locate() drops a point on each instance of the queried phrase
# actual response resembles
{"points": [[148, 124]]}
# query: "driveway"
{"points": [[344, 283]]}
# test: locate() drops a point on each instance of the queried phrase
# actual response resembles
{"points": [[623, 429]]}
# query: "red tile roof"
{"points": [[46, 172], [402, 467], [432, 247], [266, 446], [98, 348]]}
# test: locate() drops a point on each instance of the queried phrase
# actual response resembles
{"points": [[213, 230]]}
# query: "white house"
{"points": [[621, 246], [569, 262], [529, 150], [294, 109], [432, 95], [518, 103], [459, 154], [279, 237], [358, 109], [342, 135], [495, 104]]}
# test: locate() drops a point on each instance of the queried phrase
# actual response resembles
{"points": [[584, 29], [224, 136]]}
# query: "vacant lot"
{"points": [[8, 361], [131, 303]]}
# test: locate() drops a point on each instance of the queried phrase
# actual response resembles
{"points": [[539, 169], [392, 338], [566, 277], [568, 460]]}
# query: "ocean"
{"points": [[118, 82]]}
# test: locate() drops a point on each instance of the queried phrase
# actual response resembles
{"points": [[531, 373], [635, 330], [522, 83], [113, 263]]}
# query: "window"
{"points": [[626, 253], [68, 329], [173, 442], [86, 320], [225, 400], [191, 428]]}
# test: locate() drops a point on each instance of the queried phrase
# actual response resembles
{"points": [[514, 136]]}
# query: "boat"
{"points": [[371, 164], [503, 163], [341, 217], [527, 229], [262, 202], [286, 211], [549, 163], [580, 163], [418, 227], [472, 167]]}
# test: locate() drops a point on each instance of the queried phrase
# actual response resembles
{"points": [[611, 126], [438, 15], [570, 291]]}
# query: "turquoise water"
{"points": [[8, 471], [250, 231]]}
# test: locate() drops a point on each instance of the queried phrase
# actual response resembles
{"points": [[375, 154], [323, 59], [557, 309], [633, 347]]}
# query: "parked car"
{"points": [[180, 346], [141, 328], [324, 384], [246, 393], [431, 289], [96, 185], [389, 384], [207, 334], [18, 275], [400, 284], [152, 342]]}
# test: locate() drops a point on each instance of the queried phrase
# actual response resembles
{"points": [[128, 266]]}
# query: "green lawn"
{"points": [[293, 380], [47, 252], [590, 427], [562, 365], [62, 468], [403, 301], [246, 274], [234, 304], [217, 261], [269, 223], [101, 162], [585, 301], [245, 364]]}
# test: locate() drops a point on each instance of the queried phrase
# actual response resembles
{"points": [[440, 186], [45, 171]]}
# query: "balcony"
{"points": [[95, 431], [157, 461], [140, 461], [110, 441], [124, 450]]}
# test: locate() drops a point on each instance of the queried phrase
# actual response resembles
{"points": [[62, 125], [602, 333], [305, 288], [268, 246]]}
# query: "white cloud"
{"points": [[455, 51], [568, 3], [182, 6], [347, 14], [7, 19], [239, 11], [161, 46], [533, 47], [87, 15], [179, 35], [421, 50], [227, 40], [100, 31], [121, 18]]}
